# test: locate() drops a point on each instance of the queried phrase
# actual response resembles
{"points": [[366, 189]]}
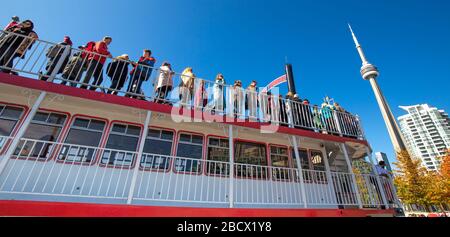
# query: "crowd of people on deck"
{"points": [[90, 60]]}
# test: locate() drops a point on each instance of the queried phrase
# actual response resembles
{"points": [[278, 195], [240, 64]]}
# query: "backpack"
{"points": [[89, 48]]}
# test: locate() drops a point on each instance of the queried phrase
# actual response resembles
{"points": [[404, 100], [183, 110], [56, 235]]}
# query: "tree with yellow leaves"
{"points": [[416, 185], [411, 180]]}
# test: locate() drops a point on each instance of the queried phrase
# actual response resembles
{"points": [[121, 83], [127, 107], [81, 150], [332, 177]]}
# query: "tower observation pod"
{"points": [[370, 72]]}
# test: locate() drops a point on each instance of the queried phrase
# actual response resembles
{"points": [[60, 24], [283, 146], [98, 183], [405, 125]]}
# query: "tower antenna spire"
{"points": [[358, 46]]}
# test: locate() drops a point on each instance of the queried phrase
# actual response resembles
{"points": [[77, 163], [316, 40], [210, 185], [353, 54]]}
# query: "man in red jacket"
{"points": [[96, 62]]}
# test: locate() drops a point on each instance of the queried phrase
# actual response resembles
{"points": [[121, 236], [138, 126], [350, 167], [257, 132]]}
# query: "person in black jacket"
{"points": [[117, 70], [15, 43], [54, 54]]}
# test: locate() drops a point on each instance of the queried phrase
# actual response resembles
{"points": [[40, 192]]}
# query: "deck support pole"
{"points": [[377, 177], [231, 162], [300, 171], [139, 158], [329, 176], [23, 128], [350, 170]]}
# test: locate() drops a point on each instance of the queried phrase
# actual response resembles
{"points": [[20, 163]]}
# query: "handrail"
{"points": [[162, 86], [32, 171]]}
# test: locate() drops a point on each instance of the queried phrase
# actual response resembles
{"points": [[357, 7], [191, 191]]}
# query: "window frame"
{"points": [[201, 160], [104, 148], [172, 148], [320, 171], [25, 113], [101, 144], [57, 142], [293, 159], [269, 173], [289, 162], [206, 156]]}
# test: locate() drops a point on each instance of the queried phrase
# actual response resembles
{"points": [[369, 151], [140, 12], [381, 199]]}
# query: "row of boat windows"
{"points": [[85, 137]]}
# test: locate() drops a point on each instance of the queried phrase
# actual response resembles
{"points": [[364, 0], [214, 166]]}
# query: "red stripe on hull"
{"points": [[62, 209]]}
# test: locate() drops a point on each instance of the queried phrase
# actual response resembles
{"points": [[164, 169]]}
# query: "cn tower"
{"points": [[370, 72]]}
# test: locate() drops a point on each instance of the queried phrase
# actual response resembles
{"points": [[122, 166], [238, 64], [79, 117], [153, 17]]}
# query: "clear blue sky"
{"points": [[248, 40]]}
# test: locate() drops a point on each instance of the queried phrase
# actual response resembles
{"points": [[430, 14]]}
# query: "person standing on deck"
{"points": [[96, 62], [237, 98], [16, 44], [140, 73], [14, 22], [251, 101], [218, 103], [117, 70], [201, 96], [186, 87], [164, 83], [54, 54]]}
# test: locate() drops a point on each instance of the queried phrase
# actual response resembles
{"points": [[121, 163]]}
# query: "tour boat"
{"points": [[67, 151]]}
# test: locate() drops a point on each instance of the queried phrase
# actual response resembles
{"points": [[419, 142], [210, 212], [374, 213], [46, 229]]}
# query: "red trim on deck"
{"points": [[119, 100], [64, 209]]}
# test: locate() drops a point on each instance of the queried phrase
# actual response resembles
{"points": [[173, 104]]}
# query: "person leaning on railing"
{"points": [[218, 98], [21, 37], [96, 62], [54, 54], [141, 72], [77, 65], [251, 101], [164, 83], [237, 98], [117, 70], [186, 87], [201, 96]]}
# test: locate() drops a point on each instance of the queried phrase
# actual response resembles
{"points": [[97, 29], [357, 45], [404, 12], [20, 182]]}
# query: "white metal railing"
{"points": [[67, 170], [4, 143], [149, 83]]}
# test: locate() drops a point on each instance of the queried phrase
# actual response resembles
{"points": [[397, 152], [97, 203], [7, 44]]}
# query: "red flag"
{"points": [[275, 83]]}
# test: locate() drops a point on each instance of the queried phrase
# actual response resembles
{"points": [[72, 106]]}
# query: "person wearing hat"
{"points": [[117, 70], [54, 54]]}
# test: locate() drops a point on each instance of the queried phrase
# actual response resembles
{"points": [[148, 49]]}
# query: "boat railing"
{"points": [[71, 66], [61, 170]]}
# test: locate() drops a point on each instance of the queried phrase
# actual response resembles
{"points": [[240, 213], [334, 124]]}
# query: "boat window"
{"points": [[82, 140], [318, 165], [251, 160], [218, 156], [9, 116], [280, 163], [43, 131], [157, 149], [306, 167], [190, 149], [122, 145]]}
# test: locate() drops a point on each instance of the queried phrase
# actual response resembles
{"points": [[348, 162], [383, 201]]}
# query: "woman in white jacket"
{"points": [[164, 83], [218, 94]]}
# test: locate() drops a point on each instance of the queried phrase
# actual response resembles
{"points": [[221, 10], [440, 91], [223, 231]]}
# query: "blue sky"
{"points": [[249, 40]]}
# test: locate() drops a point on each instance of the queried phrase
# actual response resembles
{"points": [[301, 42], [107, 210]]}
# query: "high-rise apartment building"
{"points": [[426, 131]]}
